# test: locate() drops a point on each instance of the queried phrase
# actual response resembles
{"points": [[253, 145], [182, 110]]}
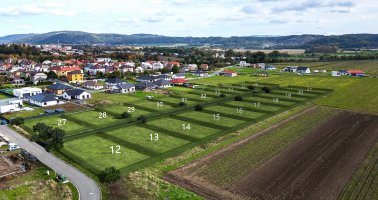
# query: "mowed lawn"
{"points": [[353, 93], [95, 153], [211, 119]]}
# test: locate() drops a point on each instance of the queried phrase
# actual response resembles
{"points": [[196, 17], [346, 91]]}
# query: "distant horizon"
{"points": [[26, 33], [195, 18]]}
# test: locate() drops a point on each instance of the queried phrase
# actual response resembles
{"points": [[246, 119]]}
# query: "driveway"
{"points": [[88, 189]]}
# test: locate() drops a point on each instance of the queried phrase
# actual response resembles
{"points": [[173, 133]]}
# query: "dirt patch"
{"points": [[69, 107], [315, 167]]}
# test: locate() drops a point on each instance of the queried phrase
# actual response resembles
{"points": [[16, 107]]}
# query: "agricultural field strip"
{"points": [[360, 185]]}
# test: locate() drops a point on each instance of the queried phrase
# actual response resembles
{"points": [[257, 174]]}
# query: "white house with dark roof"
{"points": [[161, 83], [126, 68], [93, 85], [303, 70], [125, 88], [44, 100], [26, 92], [76, 94]]}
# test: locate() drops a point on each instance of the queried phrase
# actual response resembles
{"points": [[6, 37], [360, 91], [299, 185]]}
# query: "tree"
{"points": [[52, 138], [142, 118], [222, 95], [125, 115], [110, 174], [198, 107], [182, 104], [266, 89], [175, 69], [51, 75], [164, 70], [17, 121], [251, 87], [238, 98]]}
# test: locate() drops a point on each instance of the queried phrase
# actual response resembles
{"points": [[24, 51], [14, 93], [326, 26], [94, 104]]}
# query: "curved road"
{"points": [[88, 189]]}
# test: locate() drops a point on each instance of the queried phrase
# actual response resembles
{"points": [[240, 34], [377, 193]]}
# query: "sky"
{"points": [[191, 17]]}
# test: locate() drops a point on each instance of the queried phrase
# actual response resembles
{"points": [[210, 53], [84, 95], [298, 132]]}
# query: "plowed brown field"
{"points": [[317, 166]]}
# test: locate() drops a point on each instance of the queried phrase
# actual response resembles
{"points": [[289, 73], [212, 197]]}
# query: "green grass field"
{"points": [[174, 131], [353, 93]]}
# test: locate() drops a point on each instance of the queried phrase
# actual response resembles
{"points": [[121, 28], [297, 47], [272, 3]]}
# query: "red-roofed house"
{"points": [[204, 67], [178, 81], [63, 70], [228, 73], [356, 73]]}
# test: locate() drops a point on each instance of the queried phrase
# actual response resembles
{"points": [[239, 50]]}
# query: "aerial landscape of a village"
{"points": [[189, 99]]}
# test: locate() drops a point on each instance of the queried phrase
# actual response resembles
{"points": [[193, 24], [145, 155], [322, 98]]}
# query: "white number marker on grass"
{"points": [[102, 115], [216, 117], [116, 149], [239, 110], [62, 122], [159, 104], [203, 96], [154, 137], [185, 127], [130, 109]]}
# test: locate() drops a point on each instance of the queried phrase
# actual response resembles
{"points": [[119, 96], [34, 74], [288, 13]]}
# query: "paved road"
{"points": [[88, 189], [216, 73]]}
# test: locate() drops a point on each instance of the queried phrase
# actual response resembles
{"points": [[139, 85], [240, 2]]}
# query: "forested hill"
{"points": [[293, 41]]}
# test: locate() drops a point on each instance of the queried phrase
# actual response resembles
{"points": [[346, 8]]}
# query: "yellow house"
{"points": [[75, 76]]}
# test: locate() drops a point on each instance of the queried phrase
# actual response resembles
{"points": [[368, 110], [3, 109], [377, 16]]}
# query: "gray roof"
{"points": [[144, 85], [147, 77], [302, 68], [59, 86], [125, 86], [161, 82], [75, 92], [43, 98], [115, 80]]}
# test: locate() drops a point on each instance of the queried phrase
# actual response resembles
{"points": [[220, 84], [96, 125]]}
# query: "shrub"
{"points": [[198, 107], [142, 118], [222, 95], [266, 89], [182, 104], [125, 115], [110, 174], [17, 121], [238, 98], [251, 87]]}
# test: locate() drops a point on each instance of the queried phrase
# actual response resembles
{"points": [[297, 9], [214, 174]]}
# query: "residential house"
{"points": [[290, 69], [126, 68], [10, 105], [26, 92], [58, 88], [44, 100], [261, 65], [95, 69], [139, 70], [63, 70], [343, 72], [93, 85], [204, 67], [145, 86], [180, 75], [111, 83], [335, 73], [125, 88], [165, 77], [228, 73], [161, 83], [192, 67], [76, 76], [356, 73], [18, 82], [303, 70], [262, 73], [103, 59], [178, 81], [270, 67], [201, 73], [38, 77], [244, 64], [170, 65], [147, 78], [76, 94]]}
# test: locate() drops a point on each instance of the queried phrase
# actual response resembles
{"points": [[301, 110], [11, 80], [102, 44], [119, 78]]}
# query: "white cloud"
{"points": [[17, 10]]}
